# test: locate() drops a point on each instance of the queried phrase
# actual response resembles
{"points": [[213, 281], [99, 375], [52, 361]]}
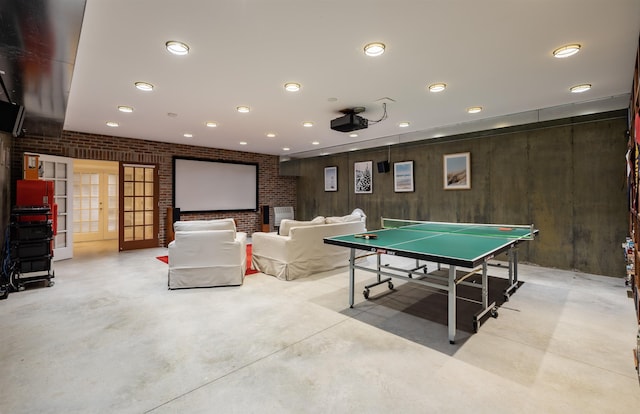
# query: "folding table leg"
{"points": [[452, 305]]}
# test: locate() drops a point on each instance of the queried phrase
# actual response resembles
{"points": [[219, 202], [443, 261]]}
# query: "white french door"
{"points": [[60, 171]]}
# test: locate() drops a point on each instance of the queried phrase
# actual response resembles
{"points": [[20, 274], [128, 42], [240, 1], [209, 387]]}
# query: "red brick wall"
{"points": [[275, 190]]}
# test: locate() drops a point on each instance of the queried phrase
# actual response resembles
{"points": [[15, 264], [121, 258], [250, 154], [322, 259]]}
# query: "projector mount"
{"points": [[360, 109]]}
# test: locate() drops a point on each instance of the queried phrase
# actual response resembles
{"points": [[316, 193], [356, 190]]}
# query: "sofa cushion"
{"points": [[344, 219], [287, 224], [197, 225]]}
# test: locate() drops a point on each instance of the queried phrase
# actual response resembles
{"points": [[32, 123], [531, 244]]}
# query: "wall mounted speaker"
{"points": [[265, 214], [383, 167], [176, 214], [11, 118]]}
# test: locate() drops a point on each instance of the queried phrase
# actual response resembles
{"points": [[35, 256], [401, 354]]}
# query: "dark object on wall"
{"points": [[173, 215], [383, 167], [11, 118], [349, 122], [264, 219]]}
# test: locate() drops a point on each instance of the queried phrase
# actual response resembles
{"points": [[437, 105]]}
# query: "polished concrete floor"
{"points": [[110, 338]]}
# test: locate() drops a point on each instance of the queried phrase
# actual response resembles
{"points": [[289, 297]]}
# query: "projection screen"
{"points": [[201, 185]]}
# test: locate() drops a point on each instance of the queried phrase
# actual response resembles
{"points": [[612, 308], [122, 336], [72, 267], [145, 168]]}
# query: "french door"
{"points": [[95, 200], [138, 206], [60, 171]]}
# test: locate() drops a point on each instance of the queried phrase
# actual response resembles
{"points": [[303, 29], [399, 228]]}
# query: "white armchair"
{"points": [[207, 253]]}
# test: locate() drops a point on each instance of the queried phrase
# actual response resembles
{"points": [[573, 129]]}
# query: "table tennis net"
{"points": [[509, 231]]}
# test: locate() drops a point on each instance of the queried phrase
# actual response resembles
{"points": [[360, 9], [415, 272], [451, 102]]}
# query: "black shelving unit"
{"points": [[31, 249]]}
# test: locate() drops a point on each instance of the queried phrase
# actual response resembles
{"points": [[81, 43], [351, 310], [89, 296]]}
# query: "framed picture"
{"points": [[457, 171], [363, 177], [403, 176], [331, 179]]}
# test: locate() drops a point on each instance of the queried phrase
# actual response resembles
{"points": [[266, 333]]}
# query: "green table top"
{"points": [[465, 245]]}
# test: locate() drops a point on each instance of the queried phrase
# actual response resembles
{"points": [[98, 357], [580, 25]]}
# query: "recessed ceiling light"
{"points": [[374, 49], [113, 124], [292, 86], [580, 88], [354, 135], [188, 135], [243, 109], [144, 86], [437, 87], [403, 124], [243, 142], [315, 143], [211, 124], [271, 134], [286, 149], [177, 48], [124, 108], [307, 124], [566, 51], [474, 109]]}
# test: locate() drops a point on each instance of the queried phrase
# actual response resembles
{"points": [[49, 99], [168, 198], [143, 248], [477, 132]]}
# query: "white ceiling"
{"points": [[491, 53]]}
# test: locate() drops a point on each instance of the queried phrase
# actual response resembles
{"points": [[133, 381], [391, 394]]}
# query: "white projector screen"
{"points": [[201, 185]]}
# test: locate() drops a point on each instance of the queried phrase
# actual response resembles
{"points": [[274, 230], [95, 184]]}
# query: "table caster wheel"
{"points": [[51, 283], [390, 286], [494, 313], [366, 293], [506, 298]]}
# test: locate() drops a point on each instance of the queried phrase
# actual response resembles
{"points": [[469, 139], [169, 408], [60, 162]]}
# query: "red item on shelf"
{"points": [[36, 193]]}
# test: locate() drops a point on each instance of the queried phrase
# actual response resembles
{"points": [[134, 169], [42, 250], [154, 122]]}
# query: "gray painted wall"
{"points": [[566, 177]]}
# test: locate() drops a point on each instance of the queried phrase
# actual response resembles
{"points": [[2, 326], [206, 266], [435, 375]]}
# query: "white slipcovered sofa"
{"points": [[207, 253], [298, 249]]}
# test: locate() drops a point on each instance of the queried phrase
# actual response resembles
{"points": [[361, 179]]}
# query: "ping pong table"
{"points": [[464, 245]]}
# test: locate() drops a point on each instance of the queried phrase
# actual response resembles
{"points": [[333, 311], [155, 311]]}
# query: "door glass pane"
{"points": [[60, 187], [128, 234], [61, 170], [128, 189], [61, 239], [128, 174], [48, 169]]}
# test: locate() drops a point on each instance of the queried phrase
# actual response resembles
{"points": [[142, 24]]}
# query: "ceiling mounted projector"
{"points": [[350, 121]]}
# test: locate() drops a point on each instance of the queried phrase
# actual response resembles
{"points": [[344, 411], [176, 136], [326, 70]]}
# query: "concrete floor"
{"points": [[110, 338]]}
